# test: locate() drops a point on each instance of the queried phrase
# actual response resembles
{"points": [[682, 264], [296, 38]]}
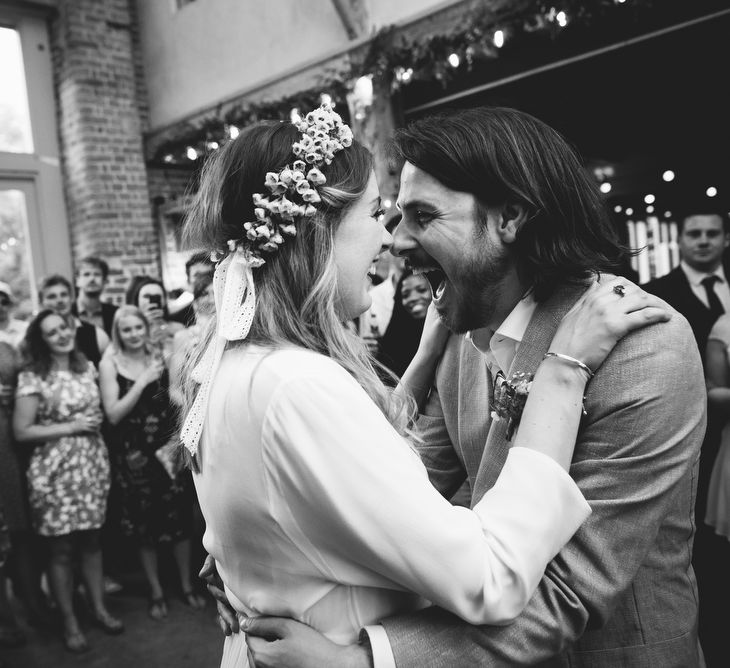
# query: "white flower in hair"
{"points": [[294, 189]]}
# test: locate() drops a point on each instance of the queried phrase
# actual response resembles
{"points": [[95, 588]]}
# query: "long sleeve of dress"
{"points": [[354, 497]]}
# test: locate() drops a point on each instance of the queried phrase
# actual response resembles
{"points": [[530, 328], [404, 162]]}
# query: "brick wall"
{"points": [[102, 114]]}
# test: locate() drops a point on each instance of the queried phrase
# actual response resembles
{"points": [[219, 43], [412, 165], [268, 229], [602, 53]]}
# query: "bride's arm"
{"points": [[418, 378]]}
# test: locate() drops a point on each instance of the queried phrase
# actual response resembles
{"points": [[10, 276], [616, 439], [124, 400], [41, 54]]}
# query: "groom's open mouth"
{"points": [[433, 272]]}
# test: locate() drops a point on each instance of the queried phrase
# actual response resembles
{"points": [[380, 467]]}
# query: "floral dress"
{"points": [[154, 507], [68, 477]]}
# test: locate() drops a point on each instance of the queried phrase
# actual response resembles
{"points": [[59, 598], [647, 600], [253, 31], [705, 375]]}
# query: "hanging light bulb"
{"points": [[168, 158], [191, 153], [649, 199], [498, 38], [605, 187], [211, 145], [618, 208], [562, 19], [711, 191], [650, 209], [454, 60], [629, 212], [668, 175], [232, 131]]}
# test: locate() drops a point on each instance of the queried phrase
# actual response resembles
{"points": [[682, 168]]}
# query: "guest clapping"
{"points": [[57, 411], [156, 507]]}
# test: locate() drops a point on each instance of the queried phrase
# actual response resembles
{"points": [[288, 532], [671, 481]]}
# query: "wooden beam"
{"points": [[354, 16]]}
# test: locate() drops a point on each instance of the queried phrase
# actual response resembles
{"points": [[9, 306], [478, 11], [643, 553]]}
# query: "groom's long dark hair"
{"points": [[502, 155]]}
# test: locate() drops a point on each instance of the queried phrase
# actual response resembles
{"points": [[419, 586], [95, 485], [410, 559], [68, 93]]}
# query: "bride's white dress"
{"points": [[316, 509]]}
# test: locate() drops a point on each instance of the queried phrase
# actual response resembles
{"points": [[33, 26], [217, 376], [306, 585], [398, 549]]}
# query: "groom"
{"points": [[500, 213]]}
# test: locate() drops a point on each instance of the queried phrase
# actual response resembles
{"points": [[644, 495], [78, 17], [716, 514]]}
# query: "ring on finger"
{"points": [[620, 290]]}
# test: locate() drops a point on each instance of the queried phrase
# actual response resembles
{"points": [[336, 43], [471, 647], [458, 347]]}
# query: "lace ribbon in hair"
{"points": [[235, 302]]}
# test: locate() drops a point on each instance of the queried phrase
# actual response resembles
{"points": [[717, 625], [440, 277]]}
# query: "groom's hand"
{"points": [[276, 642], [226, 614]]}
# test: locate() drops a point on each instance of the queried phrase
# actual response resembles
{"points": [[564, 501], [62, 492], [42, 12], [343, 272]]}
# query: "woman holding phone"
{"points": [[149, 296]]}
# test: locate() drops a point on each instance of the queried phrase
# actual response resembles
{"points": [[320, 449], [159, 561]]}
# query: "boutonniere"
{"points": [[510, 397]]}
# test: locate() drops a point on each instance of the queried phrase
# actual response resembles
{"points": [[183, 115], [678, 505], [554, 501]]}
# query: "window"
{"points": [[15, 131]]}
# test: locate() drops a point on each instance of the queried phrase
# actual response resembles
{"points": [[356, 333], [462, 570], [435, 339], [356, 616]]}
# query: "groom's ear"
{"points": [[512, 217]]}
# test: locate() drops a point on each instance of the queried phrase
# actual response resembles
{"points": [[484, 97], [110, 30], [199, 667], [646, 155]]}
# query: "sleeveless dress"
{"points": [[154, 508], [68, 477], [718, 494]]}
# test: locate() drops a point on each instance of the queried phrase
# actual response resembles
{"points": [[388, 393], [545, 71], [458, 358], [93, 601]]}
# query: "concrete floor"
{"points": [[186, 639]]}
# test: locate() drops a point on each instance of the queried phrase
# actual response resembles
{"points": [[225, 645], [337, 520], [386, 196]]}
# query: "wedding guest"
{"points": [[181, 308], [91, 278], [149, 296], [186, 339], [12, 330], [25, 562], [55, 292], [156, 507], [400, 341], [372, 324], [58, 415], [718, 395], [11, 635]]}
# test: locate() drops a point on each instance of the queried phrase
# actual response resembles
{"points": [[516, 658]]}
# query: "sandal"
{"points": [[195, 601], [158, 608], [110, 625], [76, 642]]}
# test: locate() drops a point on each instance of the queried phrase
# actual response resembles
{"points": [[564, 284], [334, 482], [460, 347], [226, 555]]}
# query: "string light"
{"points": [[629, 211], [618, 208], [667, 214], [191, 153], [562, 19], [650, 209], [232, 131], [668, 175], [498, 38], [711, 191], [168, 158], [605, 187], [649, 199], [454, 60], [211, 145]]}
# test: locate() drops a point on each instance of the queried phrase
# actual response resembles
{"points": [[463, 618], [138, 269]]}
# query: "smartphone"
{"points": [[155, 300]]}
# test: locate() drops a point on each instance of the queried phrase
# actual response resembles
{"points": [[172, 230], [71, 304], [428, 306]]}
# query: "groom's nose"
{"points": [[403, 242]]}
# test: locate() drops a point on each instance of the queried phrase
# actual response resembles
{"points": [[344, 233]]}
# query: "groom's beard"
{"points": [[474, 294]]}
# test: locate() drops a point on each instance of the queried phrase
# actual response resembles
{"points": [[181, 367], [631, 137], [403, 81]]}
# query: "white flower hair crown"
{"points": [[294, 190]]}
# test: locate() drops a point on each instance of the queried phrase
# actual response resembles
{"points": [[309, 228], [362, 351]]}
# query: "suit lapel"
{"points": [[534, 345]]}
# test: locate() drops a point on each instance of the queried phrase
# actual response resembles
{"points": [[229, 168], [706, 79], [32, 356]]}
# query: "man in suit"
{"points": [[499, 212], [91, 277], [698, 288]]}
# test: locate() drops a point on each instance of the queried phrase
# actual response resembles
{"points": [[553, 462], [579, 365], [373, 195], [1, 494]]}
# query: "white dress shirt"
{"points": [[695, 278], [316, 509]]}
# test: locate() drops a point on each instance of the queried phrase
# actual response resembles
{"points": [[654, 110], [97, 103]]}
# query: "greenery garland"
{"points": [[395, 58]]}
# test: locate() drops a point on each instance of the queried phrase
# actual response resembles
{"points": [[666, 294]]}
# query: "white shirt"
{"points": [[695, 279], [316, 509]]}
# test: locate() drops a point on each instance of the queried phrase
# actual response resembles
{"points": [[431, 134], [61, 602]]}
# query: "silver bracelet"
{"points": [[571, 360]]}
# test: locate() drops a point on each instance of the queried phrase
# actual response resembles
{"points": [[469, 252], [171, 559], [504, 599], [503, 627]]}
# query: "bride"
{"points": [[316, 505]]}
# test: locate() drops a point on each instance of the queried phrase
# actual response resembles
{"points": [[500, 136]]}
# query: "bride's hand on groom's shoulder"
{"points": [[277, 642], [227, 617]]}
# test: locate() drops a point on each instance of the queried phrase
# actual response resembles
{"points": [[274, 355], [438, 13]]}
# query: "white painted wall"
{"points": [[211, 50]]}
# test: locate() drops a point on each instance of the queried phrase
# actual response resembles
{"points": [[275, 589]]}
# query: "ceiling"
{"points": [[656, 104]]}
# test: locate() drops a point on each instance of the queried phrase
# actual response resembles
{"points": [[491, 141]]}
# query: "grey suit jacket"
{"points": [[622, 592]]}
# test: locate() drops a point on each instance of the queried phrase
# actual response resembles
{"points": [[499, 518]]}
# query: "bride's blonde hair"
{"points": [[296, 289]]}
